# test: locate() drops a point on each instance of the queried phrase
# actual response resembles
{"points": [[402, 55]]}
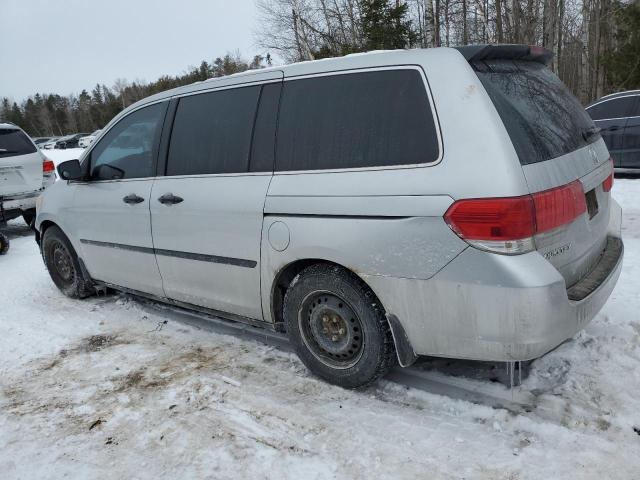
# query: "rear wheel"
{"points": [[63, 265], [338, 327]]}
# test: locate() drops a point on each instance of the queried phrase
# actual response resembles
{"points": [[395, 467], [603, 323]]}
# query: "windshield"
{"points": [[543, 119]]}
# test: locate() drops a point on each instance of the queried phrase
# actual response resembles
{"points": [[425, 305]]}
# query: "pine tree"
{"points": [[385, 26], [623, 63]]}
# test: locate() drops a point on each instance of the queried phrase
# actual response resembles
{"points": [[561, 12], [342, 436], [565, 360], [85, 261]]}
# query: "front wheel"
{"points": [[63, 265], [337, 327]]}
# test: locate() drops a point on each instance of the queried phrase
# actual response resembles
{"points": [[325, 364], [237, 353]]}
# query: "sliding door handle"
{"points": [[170, 199]]}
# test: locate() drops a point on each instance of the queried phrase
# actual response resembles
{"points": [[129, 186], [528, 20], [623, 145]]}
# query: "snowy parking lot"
{"points": [[104, 388]]}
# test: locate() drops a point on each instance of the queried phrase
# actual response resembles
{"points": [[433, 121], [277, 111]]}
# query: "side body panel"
{"points": [[114, 238], [387, 223], [208, 246]]}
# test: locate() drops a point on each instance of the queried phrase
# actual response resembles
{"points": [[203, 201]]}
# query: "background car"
{"points": [[24, 173], [84, 142], [50, 144], [70, 141], [618, 117], [39, 141]]}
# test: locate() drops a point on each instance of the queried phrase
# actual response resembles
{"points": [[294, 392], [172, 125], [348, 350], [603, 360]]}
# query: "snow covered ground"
{"points": [[102, 388]]}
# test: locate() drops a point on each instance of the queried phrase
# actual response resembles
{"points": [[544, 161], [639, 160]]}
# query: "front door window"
{"points": [[128, 150]]}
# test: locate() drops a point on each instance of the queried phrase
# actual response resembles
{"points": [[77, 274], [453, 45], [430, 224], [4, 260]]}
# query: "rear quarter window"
{"points": [[14, 142], [355, 120], [543, 119]]}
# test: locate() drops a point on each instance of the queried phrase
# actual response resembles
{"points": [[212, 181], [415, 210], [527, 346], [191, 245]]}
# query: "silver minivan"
{"points": [[376, 207]]}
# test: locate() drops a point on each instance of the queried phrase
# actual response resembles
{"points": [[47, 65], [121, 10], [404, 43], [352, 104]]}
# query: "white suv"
{"points": [[24, 173]]}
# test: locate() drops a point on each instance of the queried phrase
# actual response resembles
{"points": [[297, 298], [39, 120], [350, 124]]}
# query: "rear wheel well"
{"points": [[284, 279]]}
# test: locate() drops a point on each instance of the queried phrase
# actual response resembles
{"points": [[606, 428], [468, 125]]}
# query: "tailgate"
{"points": [[20, 163], [557, 144], [574, 249]]}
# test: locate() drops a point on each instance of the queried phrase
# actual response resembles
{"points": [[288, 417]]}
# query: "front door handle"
{"points": [[170, 199], [132, 199]]}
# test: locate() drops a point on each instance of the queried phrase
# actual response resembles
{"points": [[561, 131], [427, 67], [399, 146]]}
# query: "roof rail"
{"points": [[618, 93]]}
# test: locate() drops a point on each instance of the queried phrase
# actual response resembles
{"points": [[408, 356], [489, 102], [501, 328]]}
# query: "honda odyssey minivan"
{"points": [[376, 207]]}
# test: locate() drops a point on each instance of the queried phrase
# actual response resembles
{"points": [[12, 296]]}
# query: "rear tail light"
{"points": [[607, 185], [508, 225], [48, 166]]}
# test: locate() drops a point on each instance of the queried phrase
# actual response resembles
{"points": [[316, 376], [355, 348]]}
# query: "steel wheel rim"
{"points": [[331, 330], [62, 263]]}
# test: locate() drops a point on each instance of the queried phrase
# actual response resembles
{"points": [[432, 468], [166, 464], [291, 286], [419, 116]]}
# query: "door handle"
{"points": [[170, 199], [132, 199], [612, 128]]}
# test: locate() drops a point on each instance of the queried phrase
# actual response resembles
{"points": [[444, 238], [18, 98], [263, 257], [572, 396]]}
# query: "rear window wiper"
{"points": [[589, 133]]}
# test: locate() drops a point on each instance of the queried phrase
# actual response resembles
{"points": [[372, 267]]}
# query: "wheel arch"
{"points": [[287, 273], [44, 225]]}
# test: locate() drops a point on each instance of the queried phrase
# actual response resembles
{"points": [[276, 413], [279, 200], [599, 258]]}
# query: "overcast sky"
{"points": [[63, 46]]}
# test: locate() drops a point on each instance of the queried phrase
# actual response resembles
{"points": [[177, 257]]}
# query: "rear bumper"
{"points": [[22, 201], [484, 306]]}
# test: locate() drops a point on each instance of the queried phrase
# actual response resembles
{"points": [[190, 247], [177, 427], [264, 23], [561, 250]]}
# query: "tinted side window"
{"points": [[635, 107], [212, 132], [14, 142], [367, 119], [615, 108], [130, 147], [264, 133]]}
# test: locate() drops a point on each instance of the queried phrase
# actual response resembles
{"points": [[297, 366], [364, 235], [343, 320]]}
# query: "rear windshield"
{"points": [[543, 119], [14, 142]]}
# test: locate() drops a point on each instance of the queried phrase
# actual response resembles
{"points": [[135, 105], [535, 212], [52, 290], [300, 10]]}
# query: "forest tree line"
{"points": [[44, 115], [596, 43], [596, 46]]}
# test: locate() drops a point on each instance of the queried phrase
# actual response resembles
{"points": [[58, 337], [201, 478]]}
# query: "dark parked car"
{"points": [[70, 141], [618, 117], [39, 141]]}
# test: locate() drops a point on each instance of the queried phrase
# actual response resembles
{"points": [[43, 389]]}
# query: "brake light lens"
{"points": [[508, 225], [559, 206], [492, 218], [48, 166]]}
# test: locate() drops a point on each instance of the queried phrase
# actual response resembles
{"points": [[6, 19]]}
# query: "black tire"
{"points": [[29, 217], [62, 263], [4, 244], [338, 327]]}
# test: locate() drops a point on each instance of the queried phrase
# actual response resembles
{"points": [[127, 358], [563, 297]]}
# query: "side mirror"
{"points": [[70, 170]]}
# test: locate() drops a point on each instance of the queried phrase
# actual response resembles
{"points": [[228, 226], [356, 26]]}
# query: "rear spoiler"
{"points": [[479, 53]]}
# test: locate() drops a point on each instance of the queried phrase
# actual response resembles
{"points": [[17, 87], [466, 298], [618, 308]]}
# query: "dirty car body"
{"points": [[476, 208]]}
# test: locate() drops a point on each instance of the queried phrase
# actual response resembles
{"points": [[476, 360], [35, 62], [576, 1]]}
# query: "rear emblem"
{"points": [[557, 251], [594, 155]]}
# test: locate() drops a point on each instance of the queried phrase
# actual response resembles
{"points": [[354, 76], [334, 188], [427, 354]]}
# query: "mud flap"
{"points": [[404, 350]]}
